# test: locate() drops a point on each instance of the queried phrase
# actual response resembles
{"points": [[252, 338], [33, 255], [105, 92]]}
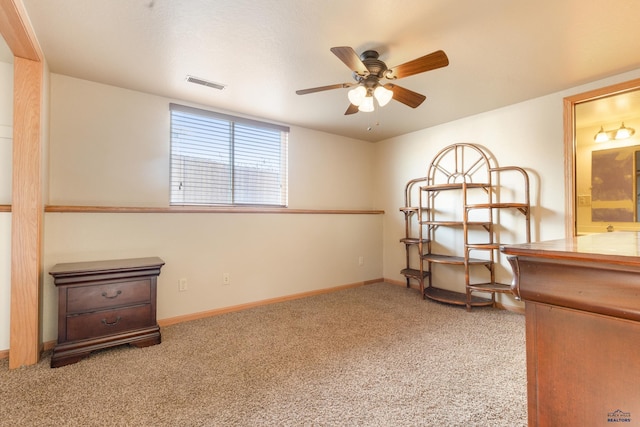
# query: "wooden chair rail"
{"points": [[207, 209]]}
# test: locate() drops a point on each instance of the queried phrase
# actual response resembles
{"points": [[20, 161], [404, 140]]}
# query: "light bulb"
{"points": [[357, 95], [383, 95]]}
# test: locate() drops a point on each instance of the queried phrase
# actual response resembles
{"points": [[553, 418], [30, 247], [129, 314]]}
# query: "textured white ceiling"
{"points": [[500, 51]]}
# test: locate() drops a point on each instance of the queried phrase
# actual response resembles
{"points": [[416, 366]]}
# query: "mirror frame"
{"points": [[570, 146]]}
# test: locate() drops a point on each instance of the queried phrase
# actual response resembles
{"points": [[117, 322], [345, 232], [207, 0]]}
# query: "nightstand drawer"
{"points": [[89, 298], [107, 322]]}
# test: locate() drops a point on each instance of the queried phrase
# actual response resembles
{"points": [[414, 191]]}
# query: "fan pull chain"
{"points": [[376, 112]]}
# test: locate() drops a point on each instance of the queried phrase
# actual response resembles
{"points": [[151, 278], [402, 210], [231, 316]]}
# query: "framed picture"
{"points": [[612, 185]]}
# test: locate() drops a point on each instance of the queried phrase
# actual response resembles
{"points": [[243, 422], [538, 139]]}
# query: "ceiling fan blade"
{"points": [[352, 109], [437, 59], [321, 88], [350, 58], [406, 96]]}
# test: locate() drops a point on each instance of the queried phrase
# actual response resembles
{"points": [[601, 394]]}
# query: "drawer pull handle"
{"points": [[104, 294], [111, 323]]}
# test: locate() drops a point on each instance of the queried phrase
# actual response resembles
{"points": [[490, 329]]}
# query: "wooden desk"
{"points": [[582, 308], [105, 303]]}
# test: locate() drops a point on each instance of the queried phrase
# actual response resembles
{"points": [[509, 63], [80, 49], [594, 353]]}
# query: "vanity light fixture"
{"points": [[622, 132]]}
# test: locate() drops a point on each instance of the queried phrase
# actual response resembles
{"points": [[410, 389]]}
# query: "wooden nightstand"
{"points": [[103, 304]]}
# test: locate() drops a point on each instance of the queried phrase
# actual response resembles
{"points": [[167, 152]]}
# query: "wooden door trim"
{"points": [[27, 210]]}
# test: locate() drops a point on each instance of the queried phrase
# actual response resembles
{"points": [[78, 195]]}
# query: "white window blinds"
{"points": [[218, 159]]}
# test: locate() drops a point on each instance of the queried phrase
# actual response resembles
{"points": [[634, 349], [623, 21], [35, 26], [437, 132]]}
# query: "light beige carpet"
{"points": [[376, 355]]}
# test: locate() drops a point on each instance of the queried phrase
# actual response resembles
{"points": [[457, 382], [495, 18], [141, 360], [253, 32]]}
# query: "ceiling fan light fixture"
{"points": [[357, 95], [383, 95], [367, 104], [367, 71]]}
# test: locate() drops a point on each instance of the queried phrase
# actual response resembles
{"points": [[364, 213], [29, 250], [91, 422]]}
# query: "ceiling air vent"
{"points": [[203, 82]]}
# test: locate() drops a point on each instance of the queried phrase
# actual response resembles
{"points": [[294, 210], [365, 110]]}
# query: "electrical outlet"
{"points": [[226, 279], [360, 260], [182, 285]]}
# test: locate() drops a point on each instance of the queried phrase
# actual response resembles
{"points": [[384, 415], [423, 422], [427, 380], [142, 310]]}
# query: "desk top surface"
{"points": [[616, 247]]}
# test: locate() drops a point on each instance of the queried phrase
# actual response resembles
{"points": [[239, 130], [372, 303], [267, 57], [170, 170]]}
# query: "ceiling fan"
{"points": [[368, 71]]}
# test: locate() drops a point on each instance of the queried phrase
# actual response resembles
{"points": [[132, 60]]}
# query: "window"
{"points": [[218, 159]]}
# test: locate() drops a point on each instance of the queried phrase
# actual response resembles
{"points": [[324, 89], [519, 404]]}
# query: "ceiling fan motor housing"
{"points": [[376, 70], [375, 66]]}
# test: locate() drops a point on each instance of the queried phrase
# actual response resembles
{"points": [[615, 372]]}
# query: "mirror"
{"points": [[602, 178]]}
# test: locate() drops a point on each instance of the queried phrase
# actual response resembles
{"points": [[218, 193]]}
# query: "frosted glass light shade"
{"points": [[367, 105], [601, 136], [624, 132], [357, 95], [383, 95]]}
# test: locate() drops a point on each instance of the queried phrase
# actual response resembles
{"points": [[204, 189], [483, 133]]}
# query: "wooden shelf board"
{"points": [[483, 246], [443, 223], [412, 240], [497, 206], [491, 287], [456, 223], [409, 209], [452, 186], [454, 259], [456, 298], [413, 273]]}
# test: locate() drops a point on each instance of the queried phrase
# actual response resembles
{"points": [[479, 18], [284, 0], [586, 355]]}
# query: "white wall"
{"points": [[110, 147], [267, 255], [6, 129], [528, 134]]}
